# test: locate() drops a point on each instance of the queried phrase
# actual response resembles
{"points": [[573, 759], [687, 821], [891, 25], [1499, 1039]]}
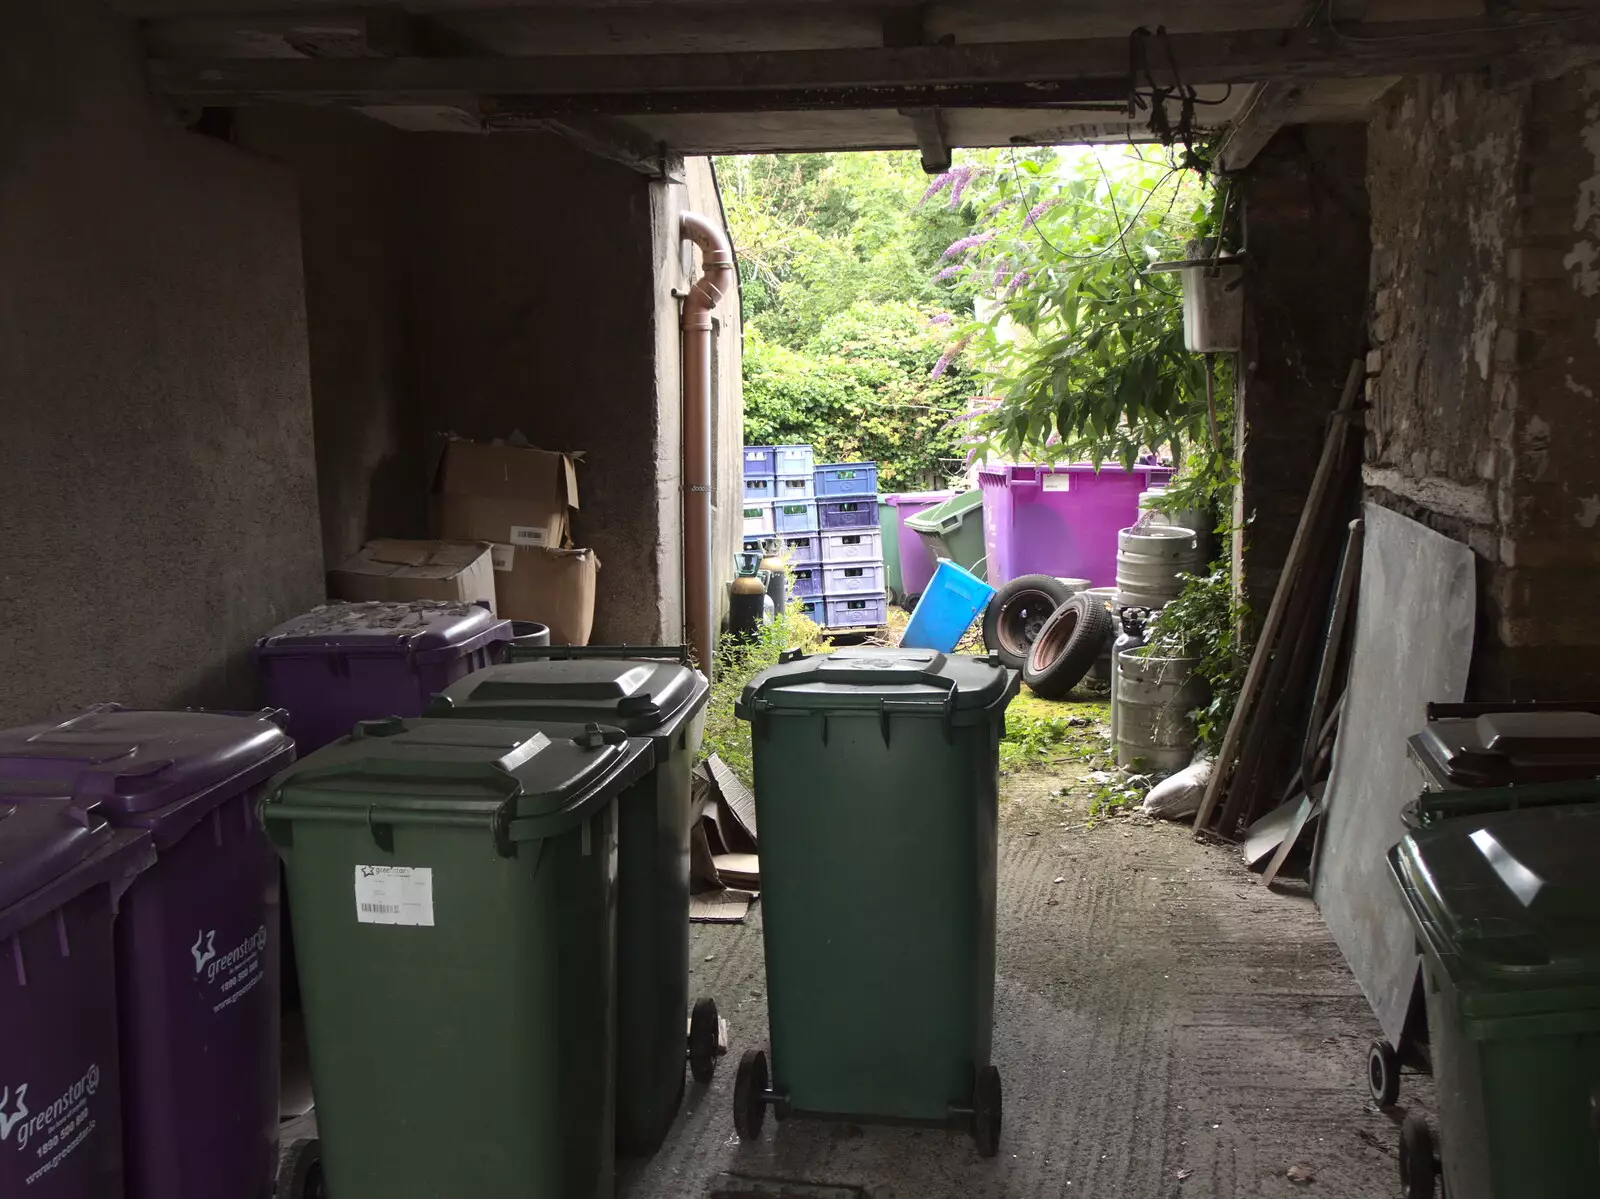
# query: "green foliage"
{"points": [[1203, 622], [737, 663], [1044, 735], [862, 390]]}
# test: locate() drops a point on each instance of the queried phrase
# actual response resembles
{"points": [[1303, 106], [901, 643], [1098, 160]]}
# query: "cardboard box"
{"points": [[554, 587], [508, 494], [395, 571]]}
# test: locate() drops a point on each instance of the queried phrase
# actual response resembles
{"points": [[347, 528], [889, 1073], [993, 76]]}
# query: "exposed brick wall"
{"points": [[1486, 303], [1305, 223]]}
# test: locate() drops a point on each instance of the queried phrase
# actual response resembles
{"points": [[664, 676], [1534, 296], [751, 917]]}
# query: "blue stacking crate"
{"points": [[856, 611], [803, 549], [814, 608], [760, 460], [848, 512], [795, 516], [793, 460], [794, 487], [805, 581], [847, 478], [762, 489], [852, 578]]}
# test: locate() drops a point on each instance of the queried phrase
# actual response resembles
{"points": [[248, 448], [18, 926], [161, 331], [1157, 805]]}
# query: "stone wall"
{"points": [[1486, 359]]}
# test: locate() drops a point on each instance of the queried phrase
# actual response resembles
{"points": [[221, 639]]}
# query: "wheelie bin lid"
{"points": [[52, 850], [1509, 902], [949, 514], [520, 782], [645, 692], [158, 770], [914, 681], [419, 629]]}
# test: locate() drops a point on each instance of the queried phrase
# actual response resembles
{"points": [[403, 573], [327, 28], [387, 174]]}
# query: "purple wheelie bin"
{"points": [[196, 934], [343, 663], [62, 869]]}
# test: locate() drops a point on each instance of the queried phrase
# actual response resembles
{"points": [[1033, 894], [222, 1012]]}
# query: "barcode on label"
{"points": [[388, 909]]}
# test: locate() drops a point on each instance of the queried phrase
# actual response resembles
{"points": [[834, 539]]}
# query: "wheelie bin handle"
{"points": [[533, 653]]}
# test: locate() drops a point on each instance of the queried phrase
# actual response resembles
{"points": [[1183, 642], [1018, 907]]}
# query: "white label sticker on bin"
{"points": [[1053, 482], [504, 557], [394, 895], [529, 535]]}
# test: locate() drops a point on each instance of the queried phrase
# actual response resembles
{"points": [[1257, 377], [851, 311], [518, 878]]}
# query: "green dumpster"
{"points": [[1506, 908], [889, 535], [876, 779], [647, 692], [954, 530], [452, 889]]}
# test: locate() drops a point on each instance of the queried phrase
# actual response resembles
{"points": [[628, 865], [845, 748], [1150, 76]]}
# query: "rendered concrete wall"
{"points": [[370, 436], [1306, 234], [1486, 302], [158, 505]]}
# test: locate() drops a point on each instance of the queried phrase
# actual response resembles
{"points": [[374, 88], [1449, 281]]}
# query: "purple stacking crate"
{"points": [[347, 662], [805, 581], [196, 935], [852, 545], [1059, 520], [916, 563], [760, 488], [814, 608], [803, 549], [797, 516], [856, 611], [847, 478], [62, 871], [794, 487], [849, 512], [852, 578], [760, 460]]}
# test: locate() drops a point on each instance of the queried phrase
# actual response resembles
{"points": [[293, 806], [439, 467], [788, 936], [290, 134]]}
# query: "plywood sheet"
{"points": [[1413, 645]]}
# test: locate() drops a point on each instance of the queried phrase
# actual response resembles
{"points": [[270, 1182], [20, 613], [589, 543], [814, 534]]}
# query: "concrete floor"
{"points": [[1164, 1027]]}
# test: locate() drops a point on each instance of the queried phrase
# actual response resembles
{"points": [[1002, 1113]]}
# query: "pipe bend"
{"points": [[716, 260]]}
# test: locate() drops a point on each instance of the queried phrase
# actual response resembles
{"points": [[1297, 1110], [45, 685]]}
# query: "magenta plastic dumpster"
{"points": [[1060, 520], [916, 563], [341, 663], [62, 869], [196, 936]]}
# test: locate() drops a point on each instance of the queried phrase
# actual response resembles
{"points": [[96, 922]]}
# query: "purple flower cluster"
{"points": [[949, 356], [940, 318], [1039, 209], [967, 243]]}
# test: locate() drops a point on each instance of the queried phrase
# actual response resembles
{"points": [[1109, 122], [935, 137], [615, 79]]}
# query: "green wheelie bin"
{"points": [[648, 692], [1506, 909], [453, 892], [880, 981]]}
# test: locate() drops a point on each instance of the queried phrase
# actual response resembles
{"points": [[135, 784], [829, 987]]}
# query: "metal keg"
{"points": [[1149, 561]]}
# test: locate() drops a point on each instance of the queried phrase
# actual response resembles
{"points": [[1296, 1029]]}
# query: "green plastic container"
{"points": [[662, 697], [954, 530], [889, 529], [453, 896], [876, 780], [1506, 908]]}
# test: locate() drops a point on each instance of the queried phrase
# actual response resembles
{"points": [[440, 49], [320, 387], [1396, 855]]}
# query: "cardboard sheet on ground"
{"points": [[1413, 645]]}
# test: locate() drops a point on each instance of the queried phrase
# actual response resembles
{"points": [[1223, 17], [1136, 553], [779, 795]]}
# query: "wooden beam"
{"points": [[1267, 110], [932, 140], [379, 32], [882, 77], [604, 137]]}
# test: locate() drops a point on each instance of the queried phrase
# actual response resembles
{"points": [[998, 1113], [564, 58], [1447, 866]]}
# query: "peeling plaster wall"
{"points": [[1486, 332]]}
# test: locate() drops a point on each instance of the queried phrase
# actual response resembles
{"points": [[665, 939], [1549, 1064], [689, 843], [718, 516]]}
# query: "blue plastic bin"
{"points": [[952, 601], [760, 488], [793, 460], [760, 460], [813, 608], [847, 478], [803, 549], [805, 581]]}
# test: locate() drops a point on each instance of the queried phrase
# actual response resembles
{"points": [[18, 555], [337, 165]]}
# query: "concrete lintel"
{"points": [[1444, 496]]}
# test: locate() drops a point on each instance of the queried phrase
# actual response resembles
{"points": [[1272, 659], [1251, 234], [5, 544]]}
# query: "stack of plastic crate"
{"points": [[853, 577], [760, 487]]}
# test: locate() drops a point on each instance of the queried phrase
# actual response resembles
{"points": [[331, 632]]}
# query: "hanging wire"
{"points": [[1110, 247]]}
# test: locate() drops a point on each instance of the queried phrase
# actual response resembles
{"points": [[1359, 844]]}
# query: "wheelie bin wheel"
{"points": [[1383, 1073], [705, 1040], [750, 1094], [300, 1170], [1419, 1167], [986, 1111]]}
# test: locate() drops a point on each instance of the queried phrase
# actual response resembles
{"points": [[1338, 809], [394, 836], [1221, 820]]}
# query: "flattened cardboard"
{"points": [[508, 494], [395, 570], [554, 587]]}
